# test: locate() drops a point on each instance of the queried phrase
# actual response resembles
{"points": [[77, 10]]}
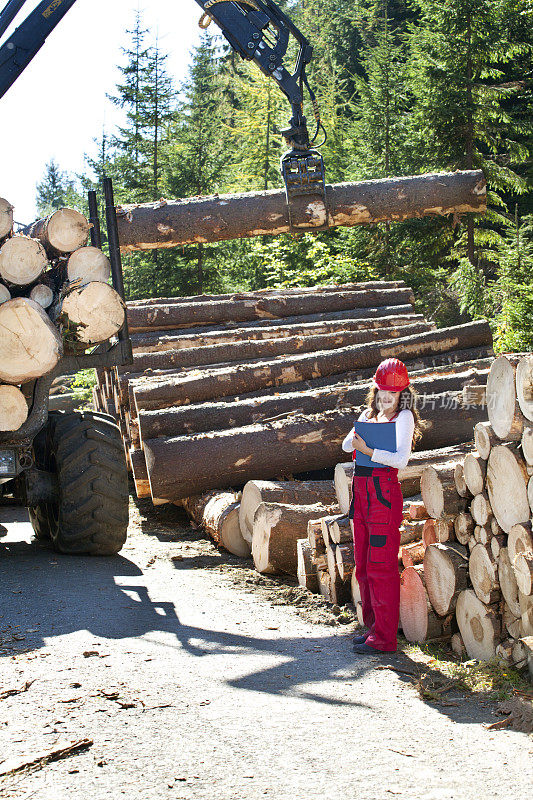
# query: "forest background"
{"points": [[404, 87]]}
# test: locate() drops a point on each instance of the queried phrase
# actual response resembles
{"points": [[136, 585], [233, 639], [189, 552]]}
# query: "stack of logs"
{"points": [[229, 388], [54, 298]]}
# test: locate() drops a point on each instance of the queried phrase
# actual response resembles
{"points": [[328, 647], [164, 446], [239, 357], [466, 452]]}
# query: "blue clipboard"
{"points": [[380, 435]]}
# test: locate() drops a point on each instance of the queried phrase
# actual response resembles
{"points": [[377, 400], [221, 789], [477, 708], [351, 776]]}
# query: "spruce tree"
{"points": [[56, 189]]}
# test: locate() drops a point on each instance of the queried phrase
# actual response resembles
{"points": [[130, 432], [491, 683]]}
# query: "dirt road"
{"points": [[192, 683]]}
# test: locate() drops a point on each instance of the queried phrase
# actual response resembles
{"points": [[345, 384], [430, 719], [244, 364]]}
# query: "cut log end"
{"points": [[93, 313], [13, 408], [22, 261], [6, 217], [88, 264], [30, 344], [479, 626]]}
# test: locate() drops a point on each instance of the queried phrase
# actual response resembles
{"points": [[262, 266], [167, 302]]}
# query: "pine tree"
{"points": [[56, 190]]}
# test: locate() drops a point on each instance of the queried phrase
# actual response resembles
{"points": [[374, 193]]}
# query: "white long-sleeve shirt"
{"points": [[405, 426]]}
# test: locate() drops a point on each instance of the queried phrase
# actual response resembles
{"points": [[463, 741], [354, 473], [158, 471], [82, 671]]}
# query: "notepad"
{"points": [[380, 435]]}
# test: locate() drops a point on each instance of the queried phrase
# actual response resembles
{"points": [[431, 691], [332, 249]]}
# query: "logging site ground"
{"points": [[183, 673]]}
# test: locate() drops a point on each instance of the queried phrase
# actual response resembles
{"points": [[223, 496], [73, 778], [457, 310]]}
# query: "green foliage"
{"points": [[56, 190], [82, 387]]}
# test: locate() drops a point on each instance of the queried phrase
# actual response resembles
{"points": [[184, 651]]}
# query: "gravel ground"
{"points": [[196, 678]]}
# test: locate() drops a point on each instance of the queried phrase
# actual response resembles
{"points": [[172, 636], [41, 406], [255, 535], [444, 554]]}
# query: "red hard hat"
{"points": [[391, 375]]}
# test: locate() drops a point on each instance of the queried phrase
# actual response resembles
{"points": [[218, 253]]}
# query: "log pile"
{"points": [[480, 580], [263, 385], [54, 299]]}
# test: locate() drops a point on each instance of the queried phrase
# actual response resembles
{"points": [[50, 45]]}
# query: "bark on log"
{"points": [[92, 313], [263, 349], [483, 571], [418, 511], [446, 575], [88, 264], [218, 218], [295, 492], [221, 521], [277, 528], [195, 504], [505, 416], [485, 439], [140, 473], [6, 218], [412, 554], [156, 342], [306, 570], [143, 318], [190, 388], [344, 557], [5, 294], [314, 535], [418, 620], [29, 343], [13, 408], [62, 232], [234, 412], [479, 625], [474, 471], [42, 294], [22, 261], [524, 386], [340, 530], [507, 486]]}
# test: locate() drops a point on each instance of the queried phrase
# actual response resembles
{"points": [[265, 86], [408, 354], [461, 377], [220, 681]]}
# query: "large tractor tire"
{"points": [[89, 514]]}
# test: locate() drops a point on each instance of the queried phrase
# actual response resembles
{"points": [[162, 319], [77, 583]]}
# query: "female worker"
{"points": [[378, 504]]}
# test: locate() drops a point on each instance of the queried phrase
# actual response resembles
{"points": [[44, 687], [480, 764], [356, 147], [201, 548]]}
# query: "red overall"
{"points": [[377, 516]]}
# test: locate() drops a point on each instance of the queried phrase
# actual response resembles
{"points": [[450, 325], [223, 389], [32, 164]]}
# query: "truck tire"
{"points": [[90, 513]]}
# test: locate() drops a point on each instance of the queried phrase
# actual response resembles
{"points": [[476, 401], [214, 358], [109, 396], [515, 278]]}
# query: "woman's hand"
{"points": [[359, 444]]}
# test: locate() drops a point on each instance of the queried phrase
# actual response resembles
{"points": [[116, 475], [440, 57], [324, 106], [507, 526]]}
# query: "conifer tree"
{"points": [[56, 189]]}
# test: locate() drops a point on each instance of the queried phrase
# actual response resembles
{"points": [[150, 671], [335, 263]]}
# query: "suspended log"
{"points": [[42, 294], [22, 261], [417, 619], [6, 218], [152, 317], [277, 528], [439, 494], [507, 486], [5, 294], [446, 575], [306, 570], [62, 232], [484, 438], [262, 349], [30, 345], [222, 217], [194, 388], [520, 540], [483, 571], [479, 625], [156, 341], [88, 264], [295, 492], [481, 509], [505, 416], [92, 313], [13, 408], [474, 471]]}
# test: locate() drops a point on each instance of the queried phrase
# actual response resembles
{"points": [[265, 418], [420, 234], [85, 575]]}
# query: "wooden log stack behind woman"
{"points": [[377, 503]]}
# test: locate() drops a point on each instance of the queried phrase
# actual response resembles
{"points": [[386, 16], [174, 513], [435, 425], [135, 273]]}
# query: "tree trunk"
{"points": [[263, 349], [88, 264], [295, 492], [277, 528], [483, 571], [30, 344], [484, 438], [22, 261], [479, 624], [157, 341], [13, 408], [92, 313], [418, 620], [524, 386], [6, 218], [155, 317], [306, 569], [446, 575], [474, 472], [42, 295], [62, 232], [214, 219], [504, 412], [507, 486], [194, 388], [234, 412]]}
